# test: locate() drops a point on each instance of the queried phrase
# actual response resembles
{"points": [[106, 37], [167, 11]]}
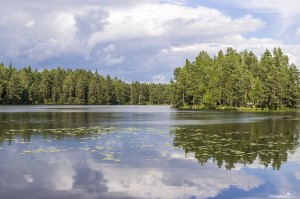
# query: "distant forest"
{"points": [[237, 79], [227, 80], [60, 86]]}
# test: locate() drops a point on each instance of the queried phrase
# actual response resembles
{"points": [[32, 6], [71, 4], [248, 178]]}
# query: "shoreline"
{"points": [[237, 109]]}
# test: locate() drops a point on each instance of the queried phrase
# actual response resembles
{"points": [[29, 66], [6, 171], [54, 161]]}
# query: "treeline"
{"points": [[60, 86], [232, 79], [237, 79]]}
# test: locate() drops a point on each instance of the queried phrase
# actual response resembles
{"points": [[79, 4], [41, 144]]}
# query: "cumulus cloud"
{"points": [[107, 56], [113, 60], [43, 50], [90, 21], [161, 20], [285, 13], [143, 39]]}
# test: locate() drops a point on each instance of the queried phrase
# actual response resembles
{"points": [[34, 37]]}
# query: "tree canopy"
{"points": [[228, 79], [61, 86], [237, 79]]}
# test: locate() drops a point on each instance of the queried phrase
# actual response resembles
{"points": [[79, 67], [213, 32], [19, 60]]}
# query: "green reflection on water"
{"points": [[80, 133], [269, 142]]}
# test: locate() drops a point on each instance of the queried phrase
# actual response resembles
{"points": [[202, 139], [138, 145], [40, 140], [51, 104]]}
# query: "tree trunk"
{"points": [[183, 102]]}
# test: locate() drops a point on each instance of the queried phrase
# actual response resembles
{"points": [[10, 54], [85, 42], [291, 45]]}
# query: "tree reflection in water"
{"points": [[268, 141]]}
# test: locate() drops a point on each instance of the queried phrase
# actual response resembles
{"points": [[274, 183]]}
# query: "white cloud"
{"points": [[29, 24], [162, 20], [161, 78], [110, 48], [77, 173], [174, 182], [113, 60], [28, 178], [151, 34], [108, 57], [44, 50], [288, 12], [47, 36], [90, 21], [60, 25]]}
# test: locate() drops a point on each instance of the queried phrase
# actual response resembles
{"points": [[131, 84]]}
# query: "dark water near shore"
{"points": [[147, 152]]}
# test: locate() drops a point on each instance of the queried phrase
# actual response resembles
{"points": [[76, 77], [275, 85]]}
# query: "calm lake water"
{"points": [[147, 152]]}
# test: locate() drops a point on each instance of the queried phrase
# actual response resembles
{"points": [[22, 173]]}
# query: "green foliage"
{"points": [[236, 80], [60, 86], [227, 81]]}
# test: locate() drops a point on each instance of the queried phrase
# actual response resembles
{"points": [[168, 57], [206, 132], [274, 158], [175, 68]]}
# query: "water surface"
{"points": [[147, 152]]}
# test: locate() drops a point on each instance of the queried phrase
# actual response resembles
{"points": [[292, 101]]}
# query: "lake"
{"points": [[147, 152]]}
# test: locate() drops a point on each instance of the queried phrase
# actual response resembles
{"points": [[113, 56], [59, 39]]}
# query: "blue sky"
{"points": [[141, 40]]}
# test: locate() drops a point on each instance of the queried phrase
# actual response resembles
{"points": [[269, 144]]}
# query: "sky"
{"points": [[141, 40]]}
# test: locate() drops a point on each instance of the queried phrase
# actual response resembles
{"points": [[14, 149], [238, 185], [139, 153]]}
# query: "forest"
{"points": [[237, 79], [61, 86], [225, 81]]}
